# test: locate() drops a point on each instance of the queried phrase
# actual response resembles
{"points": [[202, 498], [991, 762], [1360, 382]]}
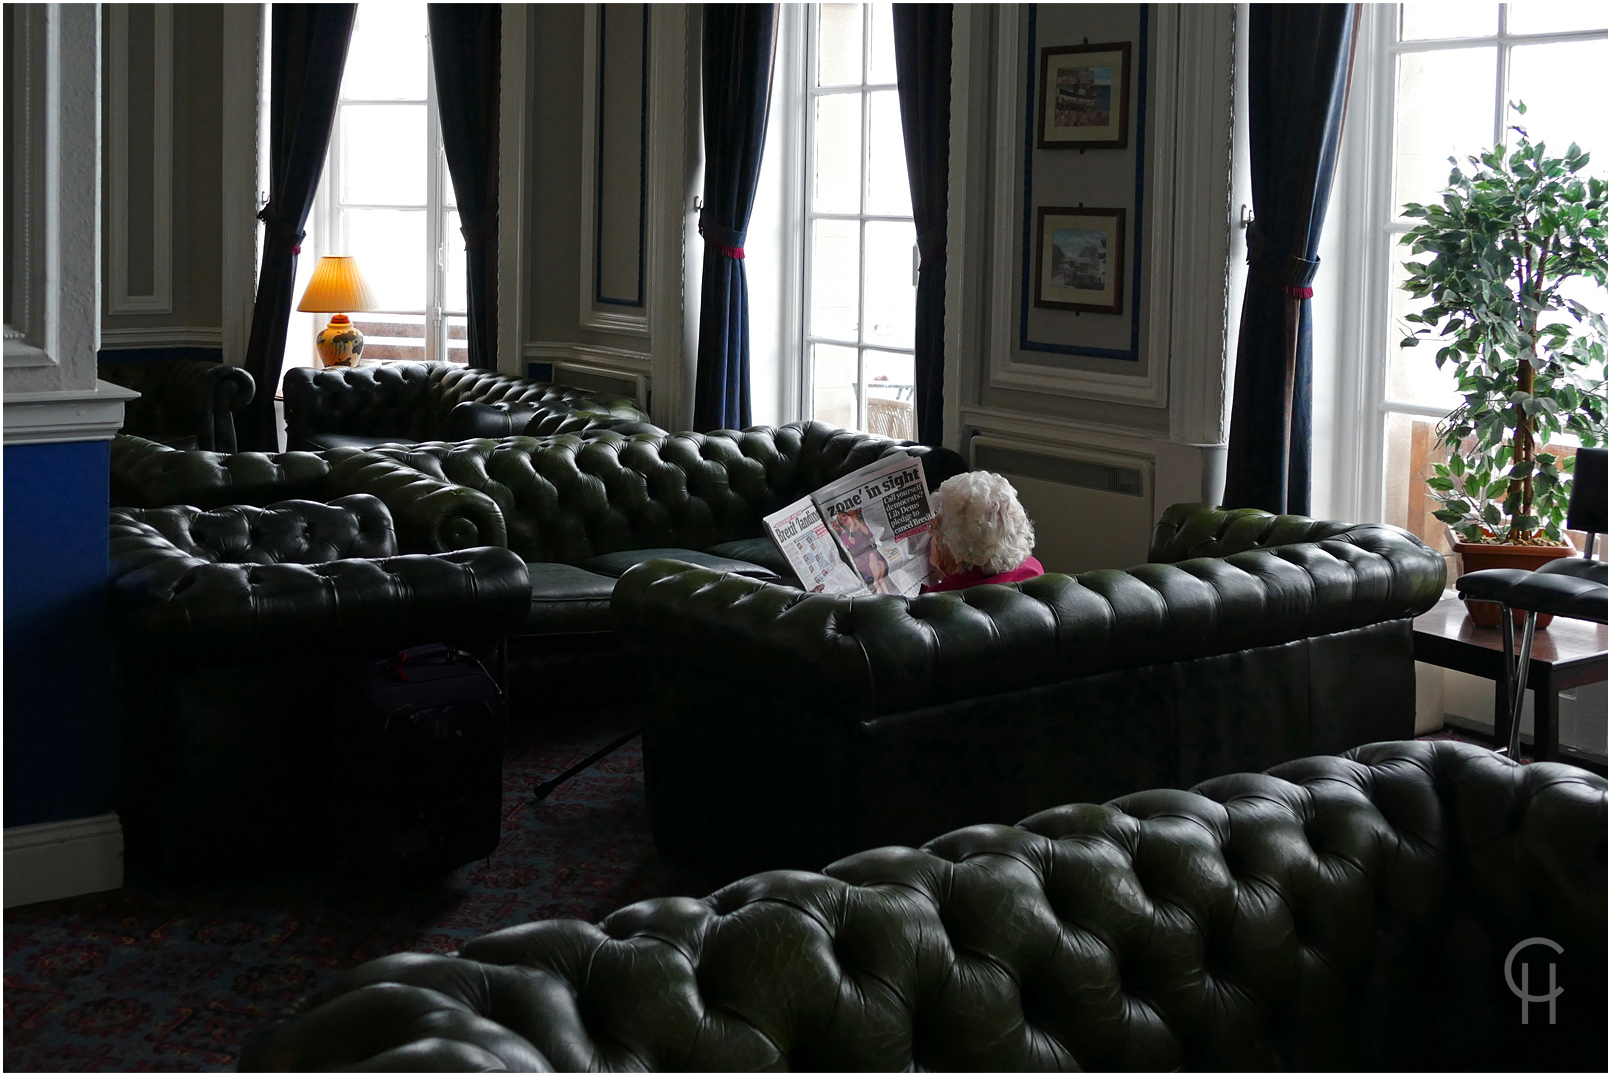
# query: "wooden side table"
{"points": [[1567, 654]]}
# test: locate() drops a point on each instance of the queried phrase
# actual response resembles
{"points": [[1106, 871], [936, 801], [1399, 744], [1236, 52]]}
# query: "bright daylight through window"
{"points": [[385, 198], [861, 254], [1444, 78]]}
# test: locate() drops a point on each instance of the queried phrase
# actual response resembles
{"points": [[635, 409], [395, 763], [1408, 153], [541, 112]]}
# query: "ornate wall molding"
{"points": [[120, 214]]}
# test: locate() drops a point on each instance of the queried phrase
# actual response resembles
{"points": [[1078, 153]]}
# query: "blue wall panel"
{"points": [[58, 735]]}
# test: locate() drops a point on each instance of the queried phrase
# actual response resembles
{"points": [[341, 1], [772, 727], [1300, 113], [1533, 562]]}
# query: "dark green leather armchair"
{"points": [[410, 402], [234, 631], [801, 727], [1350, 913], [185, 403]]}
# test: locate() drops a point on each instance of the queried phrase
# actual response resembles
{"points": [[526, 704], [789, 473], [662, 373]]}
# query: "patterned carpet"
{"points": [[141, 980]]}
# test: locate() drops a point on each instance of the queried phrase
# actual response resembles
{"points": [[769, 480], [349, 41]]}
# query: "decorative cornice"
{"points": [[65, 415]]}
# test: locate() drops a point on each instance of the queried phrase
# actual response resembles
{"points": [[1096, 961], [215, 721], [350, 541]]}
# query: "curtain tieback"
{"points": [[1294, 275], [930, 247], [479, 234], [729, 242], [280, 233]]}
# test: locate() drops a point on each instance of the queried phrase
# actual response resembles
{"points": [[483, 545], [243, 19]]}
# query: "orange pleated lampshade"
{"points": [[337, 287]]}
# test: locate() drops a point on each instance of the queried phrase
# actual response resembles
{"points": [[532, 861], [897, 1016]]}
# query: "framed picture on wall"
{"points": [[1085, 97], [1079, 259]]}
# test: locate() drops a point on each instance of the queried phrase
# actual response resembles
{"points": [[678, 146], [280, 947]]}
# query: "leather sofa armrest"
{"points": [[472, 418], [187, 609], [432, 515], [184, 396], [145, 474]]}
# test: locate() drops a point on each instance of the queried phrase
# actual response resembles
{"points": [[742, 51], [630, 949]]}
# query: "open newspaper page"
{"points": [[816, 558], [881, 514]]}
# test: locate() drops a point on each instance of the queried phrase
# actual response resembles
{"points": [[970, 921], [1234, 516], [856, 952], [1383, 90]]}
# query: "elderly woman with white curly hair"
{"points": [[980, 533]]}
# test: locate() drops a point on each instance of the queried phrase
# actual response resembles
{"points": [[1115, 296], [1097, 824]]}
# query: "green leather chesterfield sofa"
{"points": [[792, 728], [1350, 913], [185, 403], [417, 401], [234, 630]]}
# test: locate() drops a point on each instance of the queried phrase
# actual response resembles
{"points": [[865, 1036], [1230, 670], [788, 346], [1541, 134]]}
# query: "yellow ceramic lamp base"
{"points": [[339, 343]]}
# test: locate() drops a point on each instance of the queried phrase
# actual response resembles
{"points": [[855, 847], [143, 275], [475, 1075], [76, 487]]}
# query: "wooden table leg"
{"points": [[1546, 715]]}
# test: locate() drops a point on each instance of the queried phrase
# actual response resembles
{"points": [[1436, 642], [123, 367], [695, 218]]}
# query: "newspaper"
{"points": [[867, 533], [811, 550]]}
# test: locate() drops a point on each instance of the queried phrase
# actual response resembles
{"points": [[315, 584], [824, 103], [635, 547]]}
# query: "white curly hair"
{"points": [[979, 521]]}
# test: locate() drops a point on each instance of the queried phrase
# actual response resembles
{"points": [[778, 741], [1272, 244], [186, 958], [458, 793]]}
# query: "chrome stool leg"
{"points": [[1522, 662]]}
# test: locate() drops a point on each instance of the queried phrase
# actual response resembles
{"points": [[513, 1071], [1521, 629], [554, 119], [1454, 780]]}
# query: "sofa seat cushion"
{"points": [[323, 440], [762, 551], [617, 564], [568, 600]]}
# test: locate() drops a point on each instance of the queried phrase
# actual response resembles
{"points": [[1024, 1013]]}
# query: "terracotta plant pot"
{"points": [[1480, 556]]}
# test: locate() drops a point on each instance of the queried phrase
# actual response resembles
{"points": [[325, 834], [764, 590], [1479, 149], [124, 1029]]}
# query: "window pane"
{"points": [[881, 60], [835, 278], [890, 389], [1445, 108], [458, 339], [888, 190], [833, 385], [391, 249], [838, 138], [456, 286], [1553, 16], [388, 57], [1410, 451], [891, 310], [839, 45], [1412, 372], [1557, 83], [392, 337], [383, 154], [1423, 21]]}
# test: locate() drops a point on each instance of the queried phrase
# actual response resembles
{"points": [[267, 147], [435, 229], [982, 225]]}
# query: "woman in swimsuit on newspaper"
{"points": [[863, 549]]}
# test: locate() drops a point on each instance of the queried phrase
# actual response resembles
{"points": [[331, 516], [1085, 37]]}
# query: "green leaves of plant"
{"points": [[1529, 363]]}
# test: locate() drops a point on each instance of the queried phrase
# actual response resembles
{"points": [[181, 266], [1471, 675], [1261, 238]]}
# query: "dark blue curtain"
{"points": [[466, 43], [307, 52], [739, 42], [923, 77], [1299, 60]]}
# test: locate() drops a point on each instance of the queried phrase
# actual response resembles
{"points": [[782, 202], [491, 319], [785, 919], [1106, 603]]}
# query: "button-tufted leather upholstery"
{"points": [[1334, 914], [571, 498], [247, 584], [888, 717], [410, 402], [147, 474], [235, 631], [185, 403]]}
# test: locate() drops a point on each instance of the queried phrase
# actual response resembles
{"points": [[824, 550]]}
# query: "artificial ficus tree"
{"points": [[1529, 358]]}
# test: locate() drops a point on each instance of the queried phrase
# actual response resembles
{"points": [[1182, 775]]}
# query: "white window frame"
{"points": [[1370, 241], [808, 93], [439, 202]]}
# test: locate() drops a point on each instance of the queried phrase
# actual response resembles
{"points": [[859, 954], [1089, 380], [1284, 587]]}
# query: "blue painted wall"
{"points": [[58, 734]]}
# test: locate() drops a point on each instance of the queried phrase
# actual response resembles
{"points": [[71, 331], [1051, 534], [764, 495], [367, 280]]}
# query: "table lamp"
{"points": [[337, 287]]}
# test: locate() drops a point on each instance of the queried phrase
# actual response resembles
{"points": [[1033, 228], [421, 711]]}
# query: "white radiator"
{"points": [[1091, 508]]}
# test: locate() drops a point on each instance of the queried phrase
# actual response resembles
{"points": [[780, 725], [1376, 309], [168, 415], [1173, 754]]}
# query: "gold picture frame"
{"points": [[1079, 259]]}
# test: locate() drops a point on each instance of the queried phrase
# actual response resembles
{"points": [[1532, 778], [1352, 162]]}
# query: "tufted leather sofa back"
{"points": [[569, 498], [183, 402], [418, 401], [291, 532], [1335, 913], [1186, 531], [145, 474]]}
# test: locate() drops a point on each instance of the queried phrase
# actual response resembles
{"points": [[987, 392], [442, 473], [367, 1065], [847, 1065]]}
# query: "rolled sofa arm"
{"points": [[874, 655], [432, 515], [146, 474], [183, 396], [179, 607]]}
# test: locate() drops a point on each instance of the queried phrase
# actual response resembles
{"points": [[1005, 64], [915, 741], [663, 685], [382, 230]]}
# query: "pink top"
{"points": [[1029, 569]]}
